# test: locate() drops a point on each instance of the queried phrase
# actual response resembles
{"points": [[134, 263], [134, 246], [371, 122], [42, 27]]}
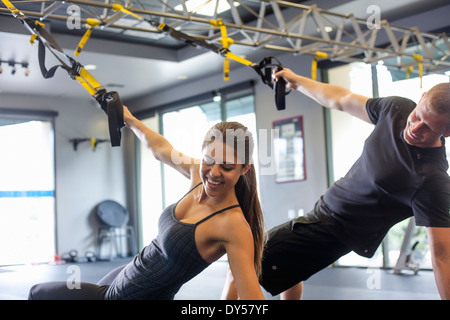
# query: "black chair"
{"points": [[115, 230]]}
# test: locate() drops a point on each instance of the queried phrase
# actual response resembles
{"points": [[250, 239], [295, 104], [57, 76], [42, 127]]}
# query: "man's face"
{"points": [[424, 128]]}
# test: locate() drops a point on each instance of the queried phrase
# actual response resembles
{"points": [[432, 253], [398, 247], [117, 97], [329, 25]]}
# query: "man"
{"points": [[402, 172]]}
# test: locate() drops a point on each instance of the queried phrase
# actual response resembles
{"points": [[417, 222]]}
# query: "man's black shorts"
{"points": [[295, 251]]}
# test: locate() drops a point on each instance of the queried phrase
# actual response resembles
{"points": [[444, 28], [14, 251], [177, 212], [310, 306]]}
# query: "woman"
{"points": [[220, 214]]}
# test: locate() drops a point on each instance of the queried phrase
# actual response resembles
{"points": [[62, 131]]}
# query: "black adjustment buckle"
{"points": [[112, 105]]}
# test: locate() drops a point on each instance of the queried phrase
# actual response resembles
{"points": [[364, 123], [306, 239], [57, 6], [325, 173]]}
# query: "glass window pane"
{"points": [[185, 129], [242, 110], [150, 189], [27, 203], [348, 135]]}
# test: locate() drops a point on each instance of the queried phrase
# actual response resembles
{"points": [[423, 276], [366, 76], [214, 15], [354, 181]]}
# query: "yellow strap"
{"points": [[37, 23], [93, 143], [238, 59], [226, 69], [419, 58], [83, 41], [10, 6], [226, 42], [91, 23], [88, 82], [161, 26], [86, 85], [214, 23], [33, 38], [119, 7], [90, 79], [319, 54], [408, 72]]}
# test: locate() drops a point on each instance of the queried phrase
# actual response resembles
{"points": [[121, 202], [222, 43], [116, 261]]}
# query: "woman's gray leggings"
{"points": [[58, 290]]}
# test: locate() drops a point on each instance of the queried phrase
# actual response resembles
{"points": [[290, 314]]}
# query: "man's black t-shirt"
{"points": [[391, 181]]}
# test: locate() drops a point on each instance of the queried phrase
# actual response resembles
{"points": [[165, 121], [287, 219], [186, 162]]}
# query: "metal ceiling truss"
{"points": [[277, 25]]}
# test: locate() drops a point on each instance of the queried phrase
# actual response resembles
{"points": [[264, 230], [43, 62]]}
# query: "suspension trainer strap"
{"points": [[91, 23], [266, 63], [109, 101]]}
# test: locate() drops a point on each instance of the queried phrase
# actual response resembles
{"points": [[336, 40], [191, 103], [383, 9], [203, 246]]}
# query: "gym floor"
{"points": [[329, 284]]}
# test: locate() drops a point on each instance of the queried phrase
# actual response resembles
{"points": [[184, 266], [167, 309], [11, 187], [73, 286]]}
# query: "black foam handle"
{"points": [[112, 105], [280, 91], [115, 118]]}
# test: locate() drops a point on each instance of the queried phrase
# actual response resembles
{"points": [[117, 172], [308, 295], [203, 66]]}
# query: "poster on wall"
{"points": [[289, 152]]}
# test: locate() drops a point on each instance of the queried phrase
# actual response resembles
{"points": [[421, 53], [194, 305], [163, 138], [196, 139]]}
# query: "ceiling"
{"points": [[135, 62]]}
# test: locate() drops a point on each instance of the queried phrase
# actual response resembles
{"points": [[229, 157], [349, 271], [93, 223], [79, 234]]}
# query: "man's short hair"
{"points": [[439, 98]]}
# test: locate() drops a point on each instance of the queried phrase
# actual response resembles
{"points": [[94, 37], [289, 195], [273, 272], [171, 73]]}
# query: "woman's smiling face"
{"points": [[220, 169]]}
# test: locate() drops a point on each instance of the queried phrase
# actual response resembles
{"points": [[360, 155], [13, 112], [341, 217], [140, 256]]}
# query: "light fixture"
{"points": [[206, 8], [327, 29], [90, 67], [217, 96]]}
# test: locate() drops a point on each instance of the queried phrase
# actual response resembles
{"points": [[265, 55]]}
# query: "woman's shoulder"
{"points": [[233, 221]]}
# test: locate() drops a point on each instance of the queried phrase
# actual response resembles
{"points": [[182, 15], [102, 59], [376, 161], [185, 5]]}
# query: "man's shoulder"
{"points": [[392, 101]]}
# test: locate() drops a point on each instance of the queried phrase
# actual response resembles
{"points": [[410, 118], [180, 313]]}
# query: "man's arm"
{"points": [[328, 95], [439, 240]]}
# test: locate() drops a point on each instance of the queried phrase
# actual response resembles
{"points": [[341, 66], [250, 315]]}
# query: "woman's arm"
{"points": [[161, 148], [229, 291], [244, 282]]}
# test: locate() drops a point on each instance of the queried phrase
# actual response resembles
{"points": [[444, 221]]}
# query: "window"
{"points": [[27, 189], [178, 127], [185, 128]]}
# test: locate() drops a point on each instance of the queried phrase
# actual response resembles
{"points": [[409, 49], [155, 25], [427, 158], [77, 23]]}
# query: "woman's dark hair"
{"points": [[236, 135]]}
